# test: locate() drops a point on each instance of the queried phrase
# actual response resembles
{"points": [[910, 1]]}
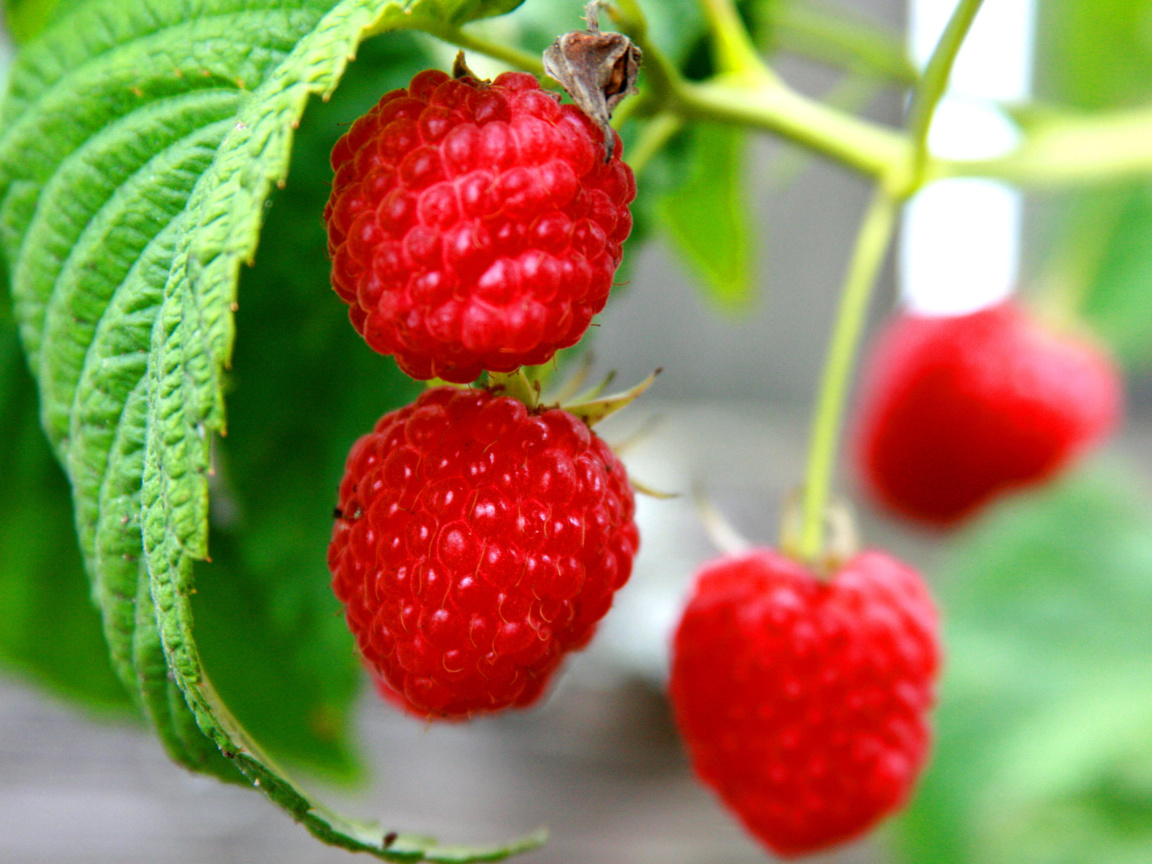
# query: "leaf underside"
{"points": [[139, 145]]}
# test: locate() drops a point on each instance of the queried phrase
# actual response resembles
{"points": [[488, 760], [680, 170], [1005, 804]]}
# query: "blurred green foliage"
{"points": [[1044, 730], [25, 18], [1096, 55], [708, 215], [49, 630]]}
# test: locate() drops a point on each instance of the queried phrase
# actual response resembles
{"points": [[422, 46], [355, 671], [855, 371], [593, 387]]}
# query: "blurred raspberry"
{"points": [[957, 410]]}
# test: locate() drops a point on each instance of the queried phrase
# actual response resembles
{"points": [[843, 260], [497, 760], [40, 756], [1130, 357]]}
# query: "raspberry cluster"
{"points": [[473, 225], [476, 226], [477, 542]]}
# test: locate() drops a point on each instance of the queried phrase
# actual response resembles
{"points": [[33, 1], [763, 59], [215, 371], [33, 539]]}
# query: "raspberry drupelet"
{"points": [[477, 542], [473, 225]]}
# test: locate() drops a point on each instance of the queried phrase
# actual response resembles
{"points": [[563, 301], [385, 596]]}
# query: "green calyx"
{"points": [[588, 405]]}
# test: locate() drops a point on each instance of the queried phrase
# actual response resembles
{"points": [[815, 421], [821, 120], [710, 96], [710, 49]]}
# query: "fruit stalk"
{"points": [[765, 103], [502, 51], [867, 258], [933, 84]]}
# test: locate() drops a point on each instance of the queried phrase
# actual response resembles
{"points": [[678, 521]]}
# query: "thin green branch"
{"points": [[867, 258], [769, 105], [735, 53], [657, 132], [841, 39], [1067, 151], [866, 147], [851, 94], [932, 85], [501, 51]]}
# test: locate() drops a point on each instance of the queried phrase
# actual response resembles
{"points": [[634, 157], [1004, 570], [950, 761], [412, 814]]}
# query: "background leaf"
{"points": [[708, 216], [1044, 750], [1095, 55], [42, 585]]}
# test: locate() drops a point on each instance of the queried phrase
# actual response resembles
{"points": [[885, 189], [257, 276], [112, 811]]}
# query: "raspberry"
{"points": [[958, 410], [803, 703], [475, 226], [477, 541]]}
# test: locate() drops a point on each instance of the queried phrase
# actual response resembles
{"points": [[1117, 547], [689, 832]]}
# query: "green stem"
{"points": [[851, 94], [735, 52], [867, 258], [866, 147], [657, 132], [841, 39], [501, 51], [770, 105], [1068, 150], [934, 82]]}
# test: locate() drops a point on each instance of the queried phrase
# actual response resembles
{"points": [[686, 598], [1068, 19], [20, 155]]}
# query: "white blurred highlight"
{"points": [[960, 244]]}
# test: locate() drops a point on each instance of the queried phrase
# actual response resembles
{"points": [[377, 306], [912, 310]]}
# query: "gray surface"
{"points": [[601, 768]]}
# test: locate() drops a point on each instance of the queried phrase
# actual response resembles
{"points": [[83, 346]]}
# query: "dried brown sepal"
{"points": [[460, 68], [597, 69]]}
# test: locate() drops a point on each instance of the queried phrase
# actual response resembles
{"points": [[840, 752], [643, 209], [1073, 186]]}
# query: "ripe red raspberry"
{"points": [[475, 226], [960, 409], [477, 542], [803, 703]]}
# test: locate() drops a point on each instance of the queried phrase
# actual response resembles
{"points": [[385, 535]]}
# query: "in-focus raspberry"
{"points": [[477, 542], [475, 226]]}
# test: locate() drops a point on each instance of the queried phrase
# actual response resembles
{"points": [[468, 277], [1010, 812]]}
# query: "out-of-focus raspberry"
{"points": [[958, 410], [475, 226], [477, 543]]}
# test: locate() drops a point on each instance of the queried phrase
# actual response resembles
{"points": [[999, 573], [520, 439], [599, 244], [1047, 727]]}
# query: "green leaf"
{"points": [[26, 18], [708, 217], [463, 11], [135, 165], [277, 648], [1044, 750]]}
